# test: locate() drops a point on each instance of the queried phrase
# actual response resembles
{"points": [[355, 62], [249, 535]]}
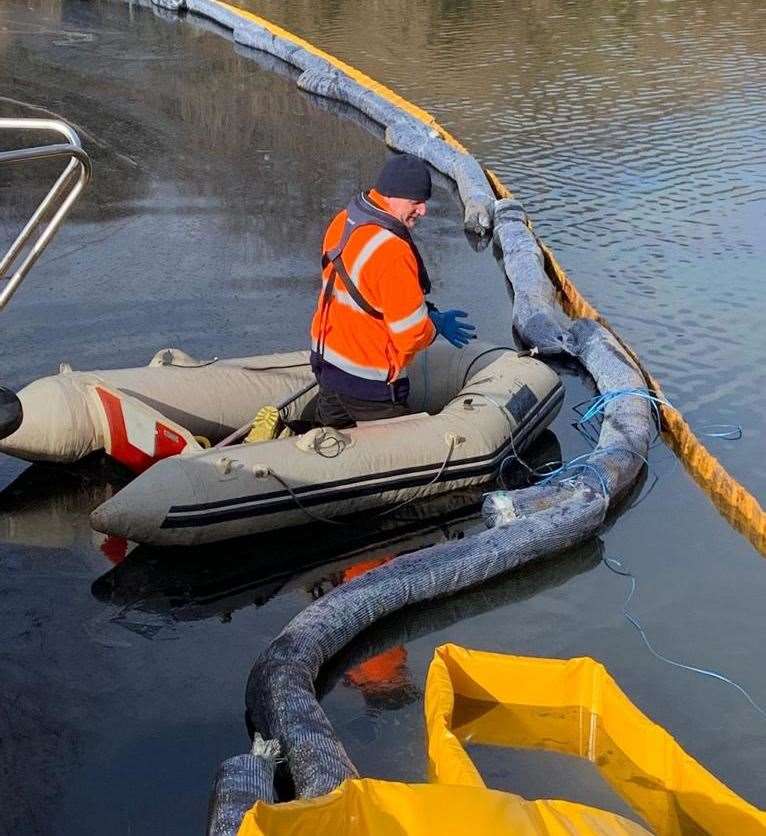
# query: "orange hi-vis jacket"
{"points": [[363, 338]]}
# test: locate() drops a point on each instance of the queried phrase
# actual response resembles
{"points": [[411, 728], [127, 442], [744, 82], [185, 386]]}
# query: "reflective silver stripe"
{"points": [[367, 372], [409, 321], [347, 299], [367, 250], [364, 256]]}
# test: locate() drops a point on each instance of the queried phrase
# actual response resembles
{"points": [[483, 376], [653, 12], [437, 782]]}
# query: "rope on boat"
{"points": [[452, 442]]}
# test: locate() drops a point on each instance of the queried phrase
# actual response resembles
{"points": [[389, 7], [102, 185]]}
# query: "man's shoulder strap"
{"points": [[363, 212], [339, 269]]}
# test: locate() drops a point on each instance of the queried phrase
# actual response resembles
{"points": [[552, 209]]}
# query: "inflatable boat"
{"points": [[472, 408]]}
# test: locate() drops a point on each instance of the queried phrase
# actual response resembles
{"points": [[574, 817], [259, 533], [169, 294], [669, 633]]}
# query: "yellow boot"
{"points": [[265, 425]]}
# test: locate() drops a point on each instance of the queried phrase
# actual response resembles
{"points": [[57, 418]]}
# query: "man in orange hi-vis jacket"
{"points": [[372, 316]]}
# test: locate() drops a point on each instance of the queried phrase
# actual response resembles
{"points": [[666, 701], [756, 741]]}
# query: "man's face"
{"points": [[409, 212]]}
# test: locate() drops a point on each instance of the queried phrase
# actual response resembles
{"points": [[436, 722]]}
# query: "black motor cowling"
{"points": [[11, 412]]}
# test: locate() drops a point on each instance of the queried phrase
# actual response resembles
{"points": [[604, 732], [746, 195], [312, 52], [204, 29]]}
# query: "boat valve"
{"points": [[454, 439], [227, 466]]}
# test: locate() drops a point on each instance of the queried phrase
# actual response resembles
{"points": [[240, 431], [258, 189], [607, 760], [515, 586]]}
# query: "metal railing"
{"points": [[64, 193]]}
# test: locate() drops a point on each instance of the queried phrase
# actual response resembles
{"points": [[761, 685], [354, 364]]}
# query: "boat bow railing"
{"points": [[55, 205], [44, 223]]}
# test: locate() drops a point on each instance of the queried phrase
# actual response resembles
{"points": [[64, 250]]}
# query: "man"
{"points": [[372, 316]]}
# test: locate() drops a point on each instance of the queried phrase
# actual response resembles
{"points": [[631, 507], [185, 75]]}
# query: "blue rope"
{"points": [[597, 405], [580, 466], [611, 563], [729, 432], [579, 463]]}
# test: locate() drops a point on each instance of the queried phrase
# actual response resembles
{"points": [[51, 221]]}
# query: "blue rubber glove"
{"points": [[446, 322]]}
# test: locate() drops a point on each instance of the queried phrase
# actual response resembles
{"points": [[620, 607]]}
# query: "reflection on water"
{"points": [[521, 749], [47, 506], [375, 662], [205, 200], [200, 583], [515, 748], [214, 179], [634, 134]]}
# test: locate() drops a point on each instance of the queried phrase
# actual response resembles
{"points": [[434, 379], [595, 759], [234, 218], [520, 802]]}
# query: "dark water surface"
{"points": [[122, 681]]}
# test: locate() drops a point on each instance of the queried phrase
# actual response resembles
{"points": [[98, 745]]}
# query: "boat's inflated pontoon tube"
{"points": [[141, 415], [473, 409]]}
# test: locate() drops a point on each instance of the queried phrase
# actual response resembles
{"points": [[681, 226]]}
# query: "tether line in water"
{"points": [[617, 567]]}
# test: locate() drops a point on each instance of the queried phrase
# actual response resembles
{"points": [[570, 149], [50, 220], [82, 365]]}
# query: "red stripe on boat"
{"points": [[136, 450]]}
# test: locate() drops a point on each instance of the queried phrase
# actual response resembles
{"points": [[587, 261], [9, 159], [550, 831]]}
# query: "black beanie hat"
{"points": [[405, 176]]}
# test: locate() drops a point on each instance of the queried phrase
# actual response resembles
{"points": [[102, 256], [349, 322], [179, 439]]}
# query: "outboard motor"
{"points": [[11, 412]]}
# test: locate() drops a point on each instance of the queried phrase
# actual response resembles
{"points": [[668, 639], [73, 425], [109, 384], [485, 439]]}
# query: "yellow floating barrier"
{"points": [[573, 707], [368, 807], [568, 706]]}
